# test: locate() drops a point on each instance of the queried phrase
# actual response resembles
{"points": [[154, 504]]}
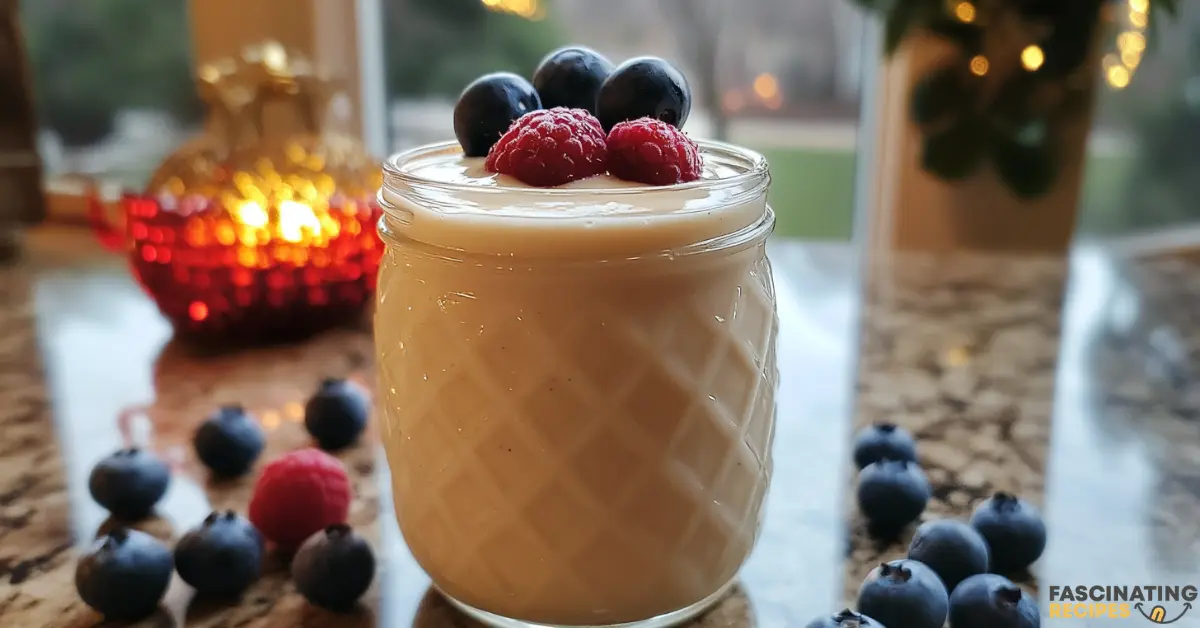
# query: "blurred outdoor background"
{"points": [[115, 94]]}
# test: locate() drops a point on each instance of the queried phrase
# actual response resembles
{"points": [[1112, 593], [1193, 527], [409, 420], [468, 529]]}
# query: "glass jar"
{"points": [[577, 388]]}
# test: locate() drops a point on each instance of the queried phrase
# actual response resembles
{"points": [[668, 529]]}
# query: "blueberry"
{"points": [[129, 483], [221, 557], [571, 77], [229, 441], [844, 619], [952, 549], [644, 87], [1013, 529], [124, 575], [488, 106], [904, 593], [892, 494], [333, 568], [991, 601], [883, 440], [337, 414]]}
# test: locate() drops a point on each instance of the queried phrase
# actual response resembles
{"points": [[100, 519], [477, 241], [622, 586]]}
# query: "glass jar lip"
{"points": [[751, 167]]}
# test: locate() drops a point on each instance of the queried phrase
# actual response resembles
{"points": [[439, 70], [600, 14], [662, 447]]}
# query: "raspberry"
{"points": [[550, 147], [651, 151], [298, 495]]}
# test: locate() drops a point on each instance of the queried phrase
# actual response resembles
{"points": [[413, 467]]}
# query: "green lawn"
{"points": [[812, 191]]}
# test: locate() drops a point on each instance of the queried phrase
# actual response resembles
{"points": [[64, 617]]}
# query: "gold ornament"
{"points": [[267, 139]]}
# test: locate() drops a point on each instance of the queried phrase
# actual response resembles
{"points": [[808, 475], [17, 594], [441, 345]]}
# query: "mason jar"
{"points": [[577, 385]]}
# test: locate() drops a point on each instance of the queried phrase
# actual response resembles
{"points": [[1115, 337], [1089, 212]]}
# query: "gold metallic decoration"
{"points": [[267, 136]]}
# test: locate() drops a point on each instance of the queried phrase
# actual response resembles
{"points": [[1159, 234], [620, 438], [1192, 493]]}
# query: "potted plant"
{"points": [[993, 100]]}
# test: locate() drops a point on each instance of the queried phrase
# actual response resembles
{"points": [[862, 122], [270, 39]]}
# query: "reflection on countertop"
{"points": [[1011, 382]]}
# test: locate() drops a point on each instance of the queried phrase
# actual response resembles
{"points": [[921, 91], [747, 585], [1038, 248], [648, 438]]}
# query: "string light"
{"points": [[1032, 58], [979, 65], [1118, 77], [965, 12]]}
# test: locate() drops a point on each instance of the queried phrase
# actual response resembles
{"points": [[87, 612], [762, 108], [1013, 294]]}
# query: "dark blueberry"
{"points": [[333, 568], [129, 483], [337, 414], [1013, 529], [124, 575], [892, 494], [488, 106], [571, 77], [952, 549], [844, 619], [883, 440], [221, 557], [904, 593], [644, 87], [229, 441], [992, 601]]}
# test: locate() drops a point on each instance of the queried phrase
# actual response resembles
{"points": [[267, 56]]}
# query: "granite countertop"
{"points": [[1011, 383]]}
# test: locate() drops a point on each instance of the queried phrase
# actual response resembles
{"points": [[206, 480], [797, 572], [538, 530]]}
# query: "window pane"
{"points": [[779, 77], [112, 82]]}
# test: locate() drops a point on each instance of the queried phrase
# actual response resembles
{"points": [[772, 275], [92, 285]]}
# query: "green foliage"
{"points": [[436, 47], [972, 110], [90, 59]]}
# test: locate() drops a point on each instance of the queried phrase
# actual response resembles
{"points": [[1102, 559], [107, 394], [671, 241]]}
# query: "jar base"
{"points": [[665, 620]]}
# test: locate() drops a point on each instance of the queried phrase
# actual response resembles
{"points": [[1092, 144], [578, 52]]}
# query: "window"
{"points": [[115, 91]]}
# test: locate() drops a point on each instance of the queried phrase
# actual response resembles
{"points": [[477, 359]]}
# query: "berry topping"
{"points": [[892, 494], [644, 87], [299, 494], [991, 601], [129, 483], [844, 619], [1013, 529], [337, 414], [952, 549], [904, 593], [229, 441], [487, 107], [651, 151], [571, 77], [124, 575], [883, 440], [334, 568], [221, 557], [550, 147]]}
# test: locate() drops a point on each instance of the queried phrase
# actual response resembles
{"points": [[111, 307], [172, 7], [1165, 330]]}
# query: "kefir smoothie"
{"points": [[577, 384]]}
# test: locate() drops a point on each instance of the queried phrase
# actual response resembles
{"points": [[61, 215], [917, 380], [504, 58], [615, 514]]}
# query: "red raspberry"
{"points": [[550, 147], [651, 151], [299, 494]]}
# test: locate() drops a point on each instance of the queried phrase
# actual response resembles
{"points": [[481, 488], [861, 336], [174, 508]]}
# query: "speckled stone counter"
{"points": [[1006, 387]]}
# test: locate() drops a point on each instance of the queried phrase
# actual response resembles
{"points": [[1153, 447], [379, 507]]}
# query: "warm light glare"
{"points": [[979, 65], [766, 86], [965, 12], [528, 9], [1118, 77], [1131, 41], [1131, 58], [251, 214], [1139, 6], [296, 218], [1138, 19], [1032, 58]]}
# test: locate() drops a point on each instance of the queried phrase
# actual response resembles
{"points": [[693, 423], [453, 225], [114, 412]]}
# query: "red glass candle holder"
{"points": [[249, 273]]}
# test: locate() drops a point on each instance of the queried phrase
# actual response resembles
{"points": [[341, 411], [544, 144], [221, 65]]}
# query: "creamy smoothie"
{"points": [[577, 384]]}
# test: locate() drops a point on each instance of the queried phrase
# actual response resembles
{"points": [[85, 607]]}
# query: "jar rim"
{"points": [[751, 167]]}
